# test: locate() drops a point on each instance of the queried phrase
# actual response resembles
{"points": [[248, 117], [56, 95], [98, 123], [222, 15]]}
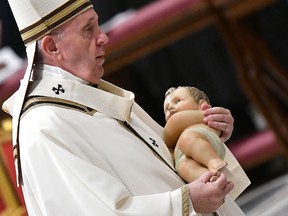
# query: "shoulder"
{"points": [[42, 101], [52, 115]]}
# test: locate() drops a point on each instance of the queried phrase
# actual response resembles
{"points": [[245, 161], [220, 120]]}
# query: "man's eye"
{"points": [[88, 32], [90, 29]]}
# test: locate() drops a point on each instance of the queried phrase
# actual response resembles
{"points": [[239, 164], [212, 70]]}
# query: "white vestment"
{"points": [[80, 156]]}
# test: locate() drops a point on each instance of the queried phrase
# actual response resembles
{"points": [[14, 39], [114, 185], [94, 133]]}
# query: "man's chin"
{"points": [[98, 75]]}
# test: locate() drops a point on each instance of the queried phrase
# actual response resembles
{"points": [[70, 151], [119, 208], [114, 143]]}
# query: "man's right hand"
{"points": [[207, 196]]}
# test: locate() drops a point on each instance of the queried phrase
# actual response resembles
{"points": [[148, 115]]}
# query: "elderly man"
{"points": [[82, 146]]}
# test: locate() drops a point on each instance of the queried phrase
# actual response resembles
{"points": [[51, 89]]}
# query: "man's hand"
{"points": [[220, 119], [207, 196]]}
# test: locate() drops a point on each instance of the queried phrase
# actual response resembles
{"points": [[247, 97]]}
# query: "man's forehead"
{"points": [[79, 21]]}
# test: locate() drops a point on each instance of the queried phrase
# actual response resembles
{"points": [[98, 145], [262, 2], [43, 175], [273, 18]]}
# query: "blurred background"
{"points": [[234, 50]]}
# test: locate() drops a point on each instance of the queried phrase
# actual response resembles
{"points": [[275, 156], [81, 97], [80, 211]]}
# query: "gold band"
{"points": [[54, 19]]}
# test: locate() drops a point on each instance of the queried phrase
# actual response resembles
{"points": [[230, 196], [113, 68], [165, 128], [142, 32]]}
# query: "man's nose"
{"points": [[103, 38]]}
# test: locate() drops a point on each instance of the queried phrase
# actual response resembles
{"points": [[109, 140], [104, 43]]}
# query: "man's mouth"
{"points": [[100, 60]]}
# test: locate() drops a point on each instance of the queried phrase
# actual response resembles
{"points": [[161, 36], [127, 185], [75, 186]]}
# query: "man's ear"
{"points": [[49, 46]]}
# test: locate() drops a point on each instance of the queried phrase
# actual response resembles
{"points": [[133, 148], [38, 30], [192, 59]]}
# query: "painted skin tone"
{"points": [[78, 47], [180, 110]]}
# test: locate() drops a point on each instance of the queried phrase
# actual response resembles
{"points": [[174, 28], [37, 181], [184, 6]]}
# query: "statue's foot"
{"points": [[216, 164]]}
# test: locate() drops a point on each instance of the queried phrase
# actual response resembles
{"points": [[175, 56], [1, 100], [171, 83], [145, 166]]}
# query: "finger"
{"points": [[225, 191], [223, 126], [217, 110], [224, 136], [213, 178], [223, 184], [228, 187], [221, 181], [208, 175], [205, 107], [219, 118]]}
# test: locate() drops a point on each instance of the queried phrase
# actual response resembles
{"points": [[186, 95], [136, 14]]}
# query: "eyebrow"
{"points": [[89, 22]]}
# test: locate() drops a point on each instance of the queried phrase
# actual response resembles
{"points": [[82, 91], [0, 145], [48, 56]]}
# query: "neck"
{"points": [[43, 71]]}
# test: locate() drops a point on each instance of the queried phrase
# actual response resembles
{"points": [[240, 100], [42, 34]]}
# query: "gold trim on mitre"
{"points": [[55, 18]]}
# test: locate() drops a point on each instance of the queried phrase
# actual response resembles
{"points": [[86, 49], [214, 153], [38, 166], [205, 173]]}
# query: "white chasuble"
{"points": [[93, 151]]}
